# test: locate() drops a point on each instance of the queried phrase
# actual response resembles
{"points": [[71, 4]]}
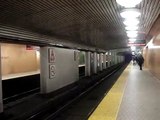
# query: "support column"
{"points": [[113, 57], [104, 61], [1, 100], [120, 59], [59, 68], [87, 63], [111, 52], [116, 57], [109, 58], [100, 61], [95, 62], [44, 73]]}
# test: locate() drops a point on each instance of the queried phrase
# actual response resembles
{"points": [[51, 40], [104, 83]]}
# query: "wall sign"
{"points": [[51, 55], [31, 47], [52, 71]]}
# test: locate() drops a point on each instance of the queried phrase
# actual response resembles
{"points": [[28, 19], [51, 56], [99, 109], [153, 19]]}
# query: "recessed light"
{"points": [[130, 13], [128, 3], [132, 32], [131, 28], [131, 22], [132, 35]]}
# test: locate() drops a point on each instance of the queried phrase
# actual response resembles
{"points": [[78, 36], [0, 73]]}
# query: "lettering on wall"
{"points": [[51, 55], [51, 61], [52, 71]]}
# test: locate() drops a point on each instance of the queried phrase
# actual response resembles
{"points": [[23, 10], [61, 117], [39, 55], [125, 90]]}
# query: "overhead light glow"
{"points": [[132, 32], [132, 40], [131, 22], [128, 3], [132, 35], [59, 45], [130, 13], [131, 28]]}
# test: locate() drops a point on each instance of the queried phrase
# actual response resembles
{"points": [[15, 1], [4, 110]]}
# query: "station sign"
{"points": [[52, 71], [51, 55], [31, 47]]}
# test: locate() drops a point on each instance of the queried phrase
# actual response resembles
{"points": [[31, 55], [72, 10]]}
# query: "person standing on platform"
{"points": [[139, 60], [134, 60]]}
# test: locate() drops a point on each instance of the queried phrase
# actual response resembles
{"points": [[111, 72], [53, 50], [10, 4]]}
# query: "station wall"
{"points": [[152, 57], [152, 50], [17, 59]]}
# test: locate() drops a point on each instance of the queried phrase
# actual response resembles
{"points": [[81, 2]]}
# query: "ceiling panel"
{"points": [[90, 22]]}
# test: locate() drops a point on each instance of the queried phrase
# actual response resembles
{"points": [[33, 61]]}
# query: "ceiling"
{"points": [[95, 23]]}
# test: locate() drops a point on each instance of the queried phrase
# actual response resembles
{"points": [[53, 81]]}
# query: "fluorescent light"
{"points": [[131, 22], [131, 32], [130, 13], [59, 45], [131, 28], [132, 35], [132, 40], [128, 3]]}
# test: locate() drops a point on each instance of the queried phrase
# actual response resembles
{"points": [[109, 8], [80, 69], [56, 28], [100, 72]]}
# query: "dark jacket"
{"points": [[140, 59]]}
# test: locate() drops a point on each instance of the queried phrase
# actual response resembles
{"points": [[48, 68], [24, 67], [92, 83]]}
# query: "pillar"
{"points": [[109, 58], [1, 100], [87, 63], [120, 59], [116, 57], [100, 61], [112, 57], [59, 68], [104, 60], [95, 62]]}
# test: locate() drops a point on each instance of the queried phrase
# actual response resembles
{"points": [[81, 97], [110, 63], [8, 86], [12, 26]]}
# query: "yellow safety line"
{"points": [[109, 106]]}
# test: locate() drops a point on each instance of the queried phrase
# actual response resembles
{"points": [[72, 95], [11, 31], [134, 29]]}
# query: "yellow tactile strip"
{"points": [[109, 106]]}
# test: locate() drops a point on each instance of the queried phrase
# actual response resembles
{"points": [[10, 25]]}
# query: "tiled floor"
{"points": [[141, 97]]}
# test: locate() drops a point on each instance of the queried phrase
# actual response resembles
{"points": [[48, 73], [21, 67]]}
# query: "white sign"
{"points": [[51, 55], [52, 71]]}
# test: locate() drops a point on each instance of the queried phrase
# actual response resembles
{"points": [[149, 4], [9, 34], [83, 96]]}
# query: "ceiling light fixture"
{"points": [[130, 13], [132, 35], [128, 3], [132, 32], [131, 22], [131, 28]]}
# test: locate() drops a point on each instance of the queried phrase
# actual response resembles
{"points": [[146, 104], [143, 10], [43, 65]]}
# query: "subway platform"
{"points": [[135, 96]]}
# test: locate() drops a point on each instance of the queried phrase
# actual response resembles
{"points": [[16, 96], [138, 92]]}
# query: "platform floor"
{"points": [[135, 96]]}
